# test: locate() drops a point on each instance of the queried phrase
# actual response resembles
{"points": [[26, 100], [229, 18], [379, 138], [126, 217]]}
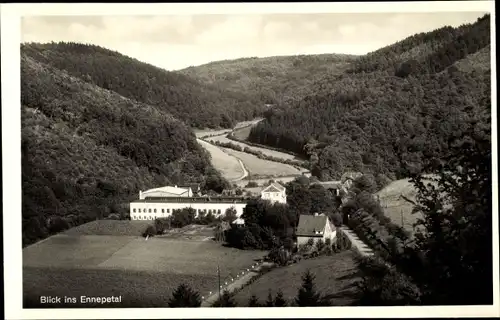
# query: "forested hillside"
{"points": [[87, 150], [280, 79], [400, 103], [198, 105]]}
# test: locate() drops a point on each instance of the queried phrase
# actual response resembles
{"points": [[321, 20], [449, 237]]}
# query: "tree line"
{"points": [[307, 296], [197, 104], [86, 152], [358, 121]]}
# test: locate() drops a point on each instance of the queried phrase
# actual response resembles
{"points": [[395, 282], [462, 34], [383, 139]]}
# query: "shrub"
{"points": [[254, 301], [320, 245], [183, 217], [279, 300], [225, 301], [184, 297], [252, 184], [150, 231], [161, 225], [230, 215]]}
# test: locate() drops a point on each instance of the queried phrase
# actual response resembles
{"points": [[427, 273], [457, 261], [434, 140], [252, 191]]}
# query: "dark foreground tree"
{"points": [[225, 301], [450, 262], [456, 228], [270, 300], [383, 285], [184, 297], [254, 301], [279, 300], [307, 296]]}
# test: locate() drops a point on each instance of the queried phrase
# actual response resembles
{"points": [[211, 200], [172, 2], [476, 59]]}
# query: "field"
{"points": [[267, 152], [143, 272], [110, 228], [242, 133], [226, 164], [397, 208], [202, 133], [335, 276], [265, 168]]}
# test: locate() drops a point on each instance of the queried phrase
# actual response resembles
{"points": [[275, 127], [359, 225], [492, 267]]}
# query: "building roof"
{"points": [[330, 184], [193, 200], [274, 187], [168, 189], [310, 224]]}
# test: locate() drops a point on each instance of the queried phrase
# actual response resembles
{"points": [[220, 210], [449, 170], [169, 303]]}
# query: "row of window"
{"points": [[140, 218], [218, 211]]}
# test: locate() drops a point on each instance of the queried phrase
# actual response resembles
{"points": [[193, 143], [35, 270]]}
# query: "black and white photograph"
{"points": [[256, 157]]}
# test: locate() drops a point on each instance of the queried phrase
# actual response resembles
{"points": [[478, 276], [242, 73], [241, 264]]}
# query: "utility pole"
{"points": [[218, 275], [402, 218]]}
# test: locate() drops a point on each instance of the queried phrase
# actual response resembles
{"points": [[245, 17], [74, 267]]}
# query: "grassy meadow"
{"points": [[265, 168], [225, 163], [395, 206], [265, 151], [144, 272], [335, 277]]}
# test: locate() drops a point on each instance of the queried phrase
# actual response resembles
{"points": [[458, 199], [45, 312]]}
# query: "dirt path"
{"points": [[245, 171], [236, 284], [362, 248]]}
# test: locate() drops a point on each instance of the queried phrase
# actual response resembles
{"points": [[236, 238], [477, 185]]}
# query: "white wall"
{"points": [[169, 207], [274, 196]]}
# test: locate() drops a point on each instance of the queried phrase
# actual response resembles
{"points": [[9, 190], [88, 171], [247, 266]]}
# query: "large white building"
{"points": [[162, 202], [162, 207], [274, 192]]}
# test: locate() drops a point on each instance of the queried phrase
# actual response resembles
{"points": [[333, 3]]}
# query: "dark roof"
{"points": [[193, 200], [277, 186], [330, 184], [308, 224]]}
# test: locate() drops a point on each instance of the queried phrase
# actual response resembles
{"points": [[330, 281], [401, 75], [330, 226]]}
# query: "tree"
{"points": [[183, 217], [225, 301], [455, 231], [230, 215], [321, 199], [336, 219], [270, 300], [216, 183], [253, 301], [366, 182], [279, 300], [184, 297], [307, 295]]}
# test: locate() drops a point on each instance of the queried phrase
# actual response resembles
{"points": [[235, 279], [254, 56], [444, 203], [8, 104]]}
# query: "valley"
{"points": [[241, 167], [342, 134]]}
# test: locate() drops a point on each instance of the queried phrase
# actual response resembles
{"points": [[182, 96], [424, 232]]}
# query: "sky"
{"points": [[175, 42]]}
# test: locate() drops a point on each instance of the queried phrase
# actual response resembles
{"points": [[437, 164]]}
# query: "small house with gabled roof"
{"points": [[315, 227], [274, 192]]}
